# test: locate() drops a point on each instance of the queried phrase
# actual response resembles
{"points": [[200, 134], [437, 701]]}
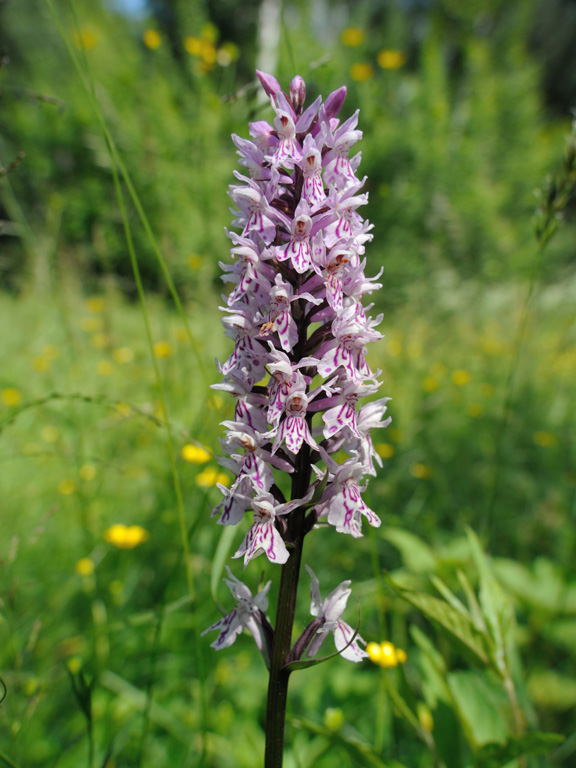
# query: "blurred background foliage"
{"points": [[465, 108]]}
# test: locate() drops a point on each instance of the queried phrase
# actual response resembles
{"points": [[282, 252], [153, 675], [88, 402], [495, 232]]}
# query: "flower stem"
{"points": [[278, 683]]}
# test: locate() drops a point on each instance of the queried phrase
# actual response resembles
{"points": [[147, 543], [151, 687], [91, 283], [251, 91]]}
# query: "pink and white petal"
{"points": [[342, 636]]}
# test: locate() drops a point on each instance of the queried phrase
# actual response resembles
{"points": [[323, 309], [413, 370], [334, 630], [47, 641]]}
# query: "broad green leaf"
{"points": [[482, 706], [416, 554], [448, 618], [499, 755]]}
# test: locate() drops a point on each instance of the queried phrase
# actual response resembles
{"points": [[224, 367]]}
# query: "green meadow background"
{"points": [[115, 158]]}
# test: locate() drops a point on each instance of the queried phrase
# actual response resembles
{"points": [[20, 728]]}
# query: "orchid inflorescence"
{"points": [[298, 368]]}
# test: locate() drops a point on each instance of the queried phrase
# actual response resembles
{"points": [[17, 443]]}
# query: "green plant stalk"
{"points": [[7, 761], [278, 681]]}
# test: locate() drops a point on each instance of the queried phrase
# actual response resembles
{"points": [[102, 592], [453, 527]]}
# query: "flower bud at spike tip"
{"points": [[298, 94], [334, 102], [269, 83]]}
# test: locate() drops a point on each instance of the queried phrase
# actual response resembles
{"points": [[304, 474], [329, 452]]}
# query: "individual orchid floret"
{"points": [[329, 612], [294, 430], [263, 535], [250, 404], [255, 215], [342, 501], [298, 250], [249, 614], [343, 411], [311, 164]]}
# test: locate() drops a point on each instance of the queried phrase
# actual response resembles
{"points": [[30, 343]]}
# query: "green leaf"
{"points": [[496, 606], [473, 605], [499, 755], [416, 554], [449, 596], [449, 619], [482, 706]]}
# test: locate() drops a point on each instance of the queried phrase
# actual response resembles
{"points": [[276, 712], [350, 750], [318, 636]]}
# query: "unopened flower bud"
{"points": [[298, 94]]}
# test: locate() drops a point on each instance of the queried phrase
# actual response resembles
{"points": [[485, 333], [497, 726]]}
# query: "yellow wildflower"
{"points": [[385, 654], [420, 471], [123, 355], [210, 476], [475, 410], [87, 39], [152, 39], [430, 384], [105, 368], [194, 261], [41, 364], [195, 454], [385, 450], [162, 349], [84, 567], [94, 305], [361, 72], [87, 472], [390, 59], [10, 397], [545, 439], [126, 536], [461, 378], [66, 487], [352, 36], [50, 434], [193, 45]]}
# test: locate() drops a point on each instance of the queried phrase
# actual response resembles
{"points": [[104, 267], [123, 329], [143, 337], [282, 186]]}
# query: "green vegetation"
{"points": [[107, 419]]}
